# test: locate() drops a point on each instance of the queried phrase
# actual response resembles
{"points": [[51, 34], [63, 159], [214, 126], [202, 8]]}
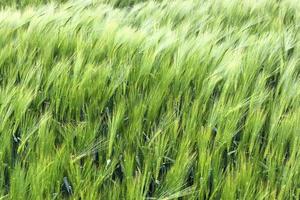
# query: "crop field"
{"points": [[140, 99]]}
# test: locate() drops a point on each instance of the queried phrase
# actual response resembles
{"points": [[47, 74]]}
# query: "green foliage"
{"points": [[194, 99], [30, 3]]}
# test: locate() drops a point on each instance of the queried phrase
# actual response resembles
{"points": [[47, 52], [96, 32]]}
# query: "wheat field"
{"points": [[178, 99]]}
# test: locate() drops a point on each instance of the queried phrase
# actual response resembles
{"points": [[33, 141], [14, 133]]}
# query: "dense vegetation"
{"points": [[30, 3], [194, 99]]}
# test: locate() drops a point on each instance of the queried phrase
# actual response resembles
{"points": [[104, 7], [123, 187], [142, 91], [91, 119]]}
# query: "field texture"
{"points": [[181, 99]]}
